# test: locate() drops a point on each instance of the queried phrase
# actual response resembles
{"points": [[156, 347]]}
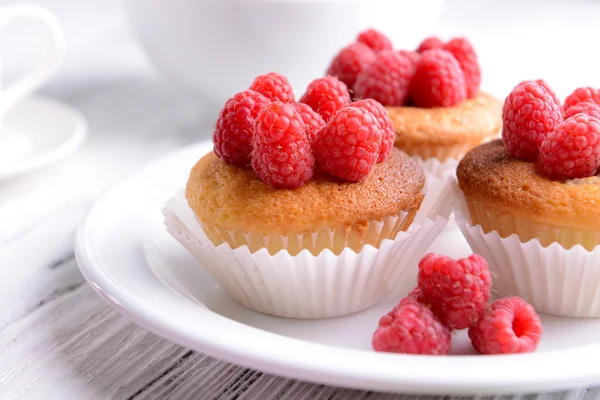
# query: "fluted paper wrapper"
{"points": [[436, 169], [309, 286], [552, 279]]}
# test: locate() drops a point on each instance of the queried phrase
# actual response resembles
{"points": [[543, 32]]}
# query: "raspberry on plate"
{"points": [[585, 107], [573, 149], [376, 40], [439, 80], [411, 328], [312, 120], [350, 61], [466, 56], [387, 79], [432, 42], [326, 96], [281, 154], [387, 126], [530, 113], [274, 87], [509, 326], [583, 94], [235, 126], [348, 145], [457, 290]]}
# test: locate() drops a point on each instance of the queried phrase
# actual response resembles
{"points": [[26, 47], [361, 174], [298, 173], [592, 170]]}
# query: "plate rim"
{"points": [[389, 373]]}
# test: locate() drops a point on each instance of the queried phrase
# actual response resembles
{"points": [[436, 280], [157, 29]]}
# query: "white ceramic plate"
{"points": [[36, 132], [127, 256]]}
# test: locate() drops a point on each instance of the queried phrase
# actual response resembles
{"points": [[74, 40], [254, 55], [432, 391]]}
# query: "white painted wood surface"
{"points": [[58, 339]]}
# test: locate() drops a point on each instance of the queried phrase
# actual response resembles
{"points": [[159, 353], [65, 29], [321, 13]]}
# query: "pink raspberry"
{"points": [[348, 145], [376, 40], [386, 80], [413, 56], [530, 113], [585, 107], [274, 87], [547, 86], [583, 94], [439, 80], [511, 325], [312, 121], [281, 154], [235, 127], [466, 56], [411, 328], [385, 122], [326, 96], [573, 149], [457, 290], [432, 42], [350, 61]]}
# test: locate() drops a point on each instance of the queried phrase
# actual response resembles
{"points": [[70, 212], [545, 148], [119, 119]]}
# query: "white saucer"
{"points": [[36, 132], [122, 247]]}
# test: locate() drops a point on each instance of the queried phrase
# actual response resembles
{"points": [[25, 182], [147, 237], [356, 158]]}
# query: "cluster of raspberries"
{"points": [[452, 295], [284, 140], [563, 139], [436, 74]]}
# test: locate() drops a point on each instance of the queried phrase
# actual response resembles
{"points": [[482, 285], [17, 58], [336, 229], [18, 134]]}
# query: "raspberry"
{"points": [[416, 294], [573, 149], [465, 54], [583, 94], [457, 290], [546, 86], [585, 107], [413, 56], [281, 154], [439, 81], [387, 79], [411, 328], [376, 40], [348, 145], [235, 126], [385, 122], [350, 61], [511, 325], [432, 42], [273, 86], [326, 96], [529, 115], [312, 121]]}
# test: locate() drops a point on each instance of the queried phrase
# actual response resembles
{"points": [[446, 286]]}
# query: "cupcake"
{"points": [[432, 95], [321, 220], [530, 203]]}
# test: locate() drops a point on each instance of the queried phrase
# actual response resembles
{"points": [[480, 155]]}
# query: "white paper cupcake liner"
{"points": [[552, 279], [309, 286], [436, 169]]}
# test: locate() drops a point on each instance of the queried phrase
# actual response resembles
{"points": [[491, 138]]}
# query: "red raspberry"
{"points": [[573, 149], [432, 42], [439, 81], [583, 94], [348, 145], [376, 40], [546, 86], [326, 96], [457, 290], [350, 61], [387, 79], [281, 154], [312, 121], [529, 115], [274, 87], [510, 325], [235, 126], [388, 134], [413, 56], [466, 56], [411, 328], [585, 107]]}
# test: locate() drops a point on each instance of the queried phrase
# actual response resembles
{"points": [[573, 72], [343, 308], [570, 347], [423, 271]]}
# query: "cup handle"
{"points": [[33, 80]]}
